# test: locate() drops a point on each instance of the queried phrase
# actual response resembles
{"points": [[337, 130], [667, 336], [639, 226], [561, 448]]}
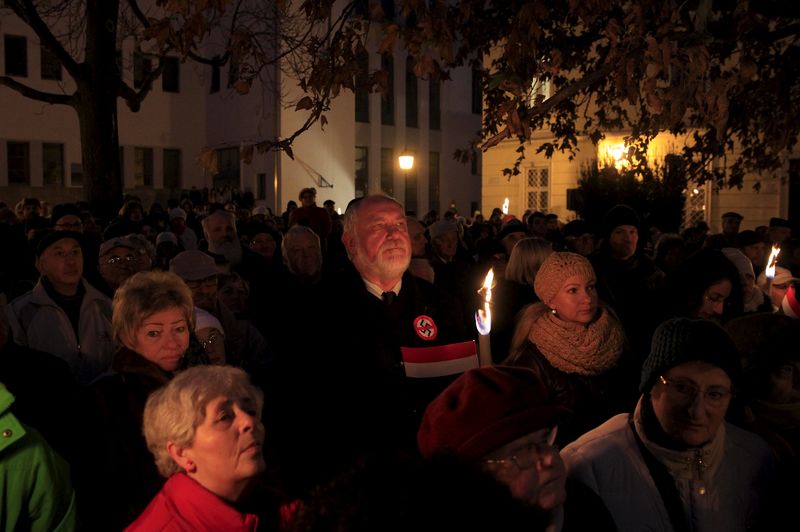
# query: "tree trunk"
{"points": [[97, 110]]}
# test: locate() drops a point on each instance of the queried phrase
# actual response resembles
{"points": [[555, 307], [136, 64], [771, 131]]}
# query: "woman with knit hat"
{"points": [[675, 464], [575, 344]]}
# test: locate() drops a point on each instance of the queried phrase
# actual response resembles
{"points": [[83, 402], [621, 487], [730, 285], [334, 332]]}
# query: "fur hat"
{"points": [[681, 340], [739, 260], [557, 268], [486, 408], [193, 265], [511, 226], [620, 215], [442, 227]]}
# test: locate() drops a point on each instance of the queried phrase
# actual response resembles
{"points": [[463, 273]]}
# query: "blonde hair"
{"points": [[524, 322], [142, 295], [173, 413], [526, 259]]}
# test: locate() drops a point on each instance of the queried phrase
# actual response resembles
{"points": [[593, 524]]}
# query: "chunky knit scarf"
{"points": [[576, 348]]}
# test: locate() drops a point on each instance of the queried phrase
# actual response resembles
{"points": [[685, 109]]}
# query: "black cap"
{"points": [[620, 215], [732, 214], [779, 222], [577, 228], [511, 226], [51, 237]]}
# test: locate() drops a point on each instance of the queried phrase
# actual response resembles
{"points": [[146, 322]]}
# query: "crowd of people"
{"points": [[201, 366]]}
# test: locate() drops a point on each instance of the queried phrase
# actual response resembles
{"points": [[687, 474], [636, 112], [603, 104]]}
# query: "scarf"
{"points": [[577, 348]]}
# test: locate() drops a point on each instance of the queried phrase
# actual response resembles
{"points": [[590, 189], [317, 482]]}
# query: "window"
{"points": [[411, 94], [362, 171], [433, 181], [53, 164], [172, 169], [540, 91], [76, 171], [538, 188], [170, 76], [142, 66], [261, 186], [143, 167], [214, 79], [228, 164], [50, 65], [19, 162], [477, 93], [387, 99], [362, 90], [434, 112], [387, 171], [410, 177], [475, 162], [16, 49]]}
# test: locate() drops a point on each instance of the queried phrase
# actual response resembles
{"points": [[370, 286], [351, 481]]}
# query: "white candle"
{"points": [[483, 321]]}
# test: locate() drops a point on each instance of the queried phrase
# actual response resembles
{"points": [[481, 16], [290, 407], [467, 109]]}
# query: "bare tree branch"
{"points": [[29, 92]]}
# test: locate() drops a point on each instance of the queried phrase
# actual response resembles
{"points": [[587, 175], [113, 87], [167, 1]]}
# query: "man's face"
{"points": [[378, 244], [308, 199], [623, 240], [204, 292], [62, 264], [219, 230], [446, 245], [532, 469], [303, 255], [31, 210], [730, 225], [757, 253], [416, 232], [538, 226], [779, 234], [117, 265], [69, 222]]}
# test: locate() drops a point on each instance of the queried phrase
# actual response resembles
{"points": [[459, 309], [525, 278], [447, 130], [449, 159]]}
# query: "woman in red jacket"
{"points": [[204, 429]]}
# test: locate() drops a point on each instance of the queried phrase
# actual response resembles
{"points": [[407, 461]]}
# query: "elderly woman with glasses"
{"points": [[675, 463], [503, 421], [204, 430]]}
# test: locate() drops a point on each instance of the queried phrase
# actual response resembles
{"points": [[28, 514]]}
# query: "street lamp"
{"points": [[406, 160]]}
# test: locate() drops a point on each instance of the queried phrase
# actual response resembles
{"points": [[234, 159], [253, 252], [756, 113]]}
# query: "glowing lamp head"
{"points": [[406, 161], [505, 206]]}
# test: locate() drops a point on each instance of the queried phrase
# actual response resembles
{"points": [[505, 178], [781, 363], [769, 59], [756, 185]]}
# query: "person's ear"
{"points": [[349, 244], [180, 456]]}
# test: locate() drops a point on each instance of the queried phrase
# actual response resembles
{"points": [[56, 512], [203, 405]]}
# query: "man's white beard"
{"points": [[230, 250]]}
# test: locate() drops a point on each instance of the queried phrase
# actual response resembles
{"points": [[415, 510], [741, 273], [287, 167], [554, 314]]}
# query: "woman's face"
{"points": [[713, 302], [691, 401], [213, 342], [785, 383], [576, 300], [163, 338], [263, 244], [225, 454]]}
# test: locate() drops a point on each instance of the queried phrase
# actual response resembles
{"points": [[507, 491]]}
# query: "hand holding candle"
{"points": [[483, 321]]}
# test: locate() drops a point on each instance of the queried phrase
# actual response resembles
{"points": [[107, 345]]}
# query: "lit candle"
{"points": [[505, 206], [483, 321], [772, 262]]}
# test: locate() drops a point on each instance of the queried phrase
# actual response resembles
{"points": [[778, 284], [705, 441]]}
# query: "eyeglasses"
{"points": [[210, 282], [74, 225], [715, 299], [212, 340], [530, 454], [686, 392], [117, 260]]}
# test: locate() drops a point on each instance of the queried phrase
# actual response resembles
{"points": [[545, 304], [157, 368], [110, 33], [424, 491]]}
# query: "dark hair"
{"points": [[697, 273]]}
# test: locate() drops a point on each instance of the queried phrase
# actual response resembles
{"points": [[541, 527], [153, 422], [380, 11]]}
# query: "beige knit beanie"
{"points": [[556, 269]]}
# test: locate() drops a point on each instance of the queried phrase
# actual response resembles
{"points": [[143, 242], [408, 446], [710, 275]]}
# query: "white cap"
{"points": [[205, 320], [177, 212]]}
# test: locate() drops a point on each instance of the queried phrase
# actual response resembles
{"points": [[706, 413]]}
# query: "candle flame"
{"points": [[772, 262], [505, 206], [483, 317]]}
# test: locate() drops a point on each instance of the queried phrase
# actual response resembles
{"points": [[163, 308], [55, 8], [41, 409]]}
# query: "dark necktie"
{"points": [[388, 297]]}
